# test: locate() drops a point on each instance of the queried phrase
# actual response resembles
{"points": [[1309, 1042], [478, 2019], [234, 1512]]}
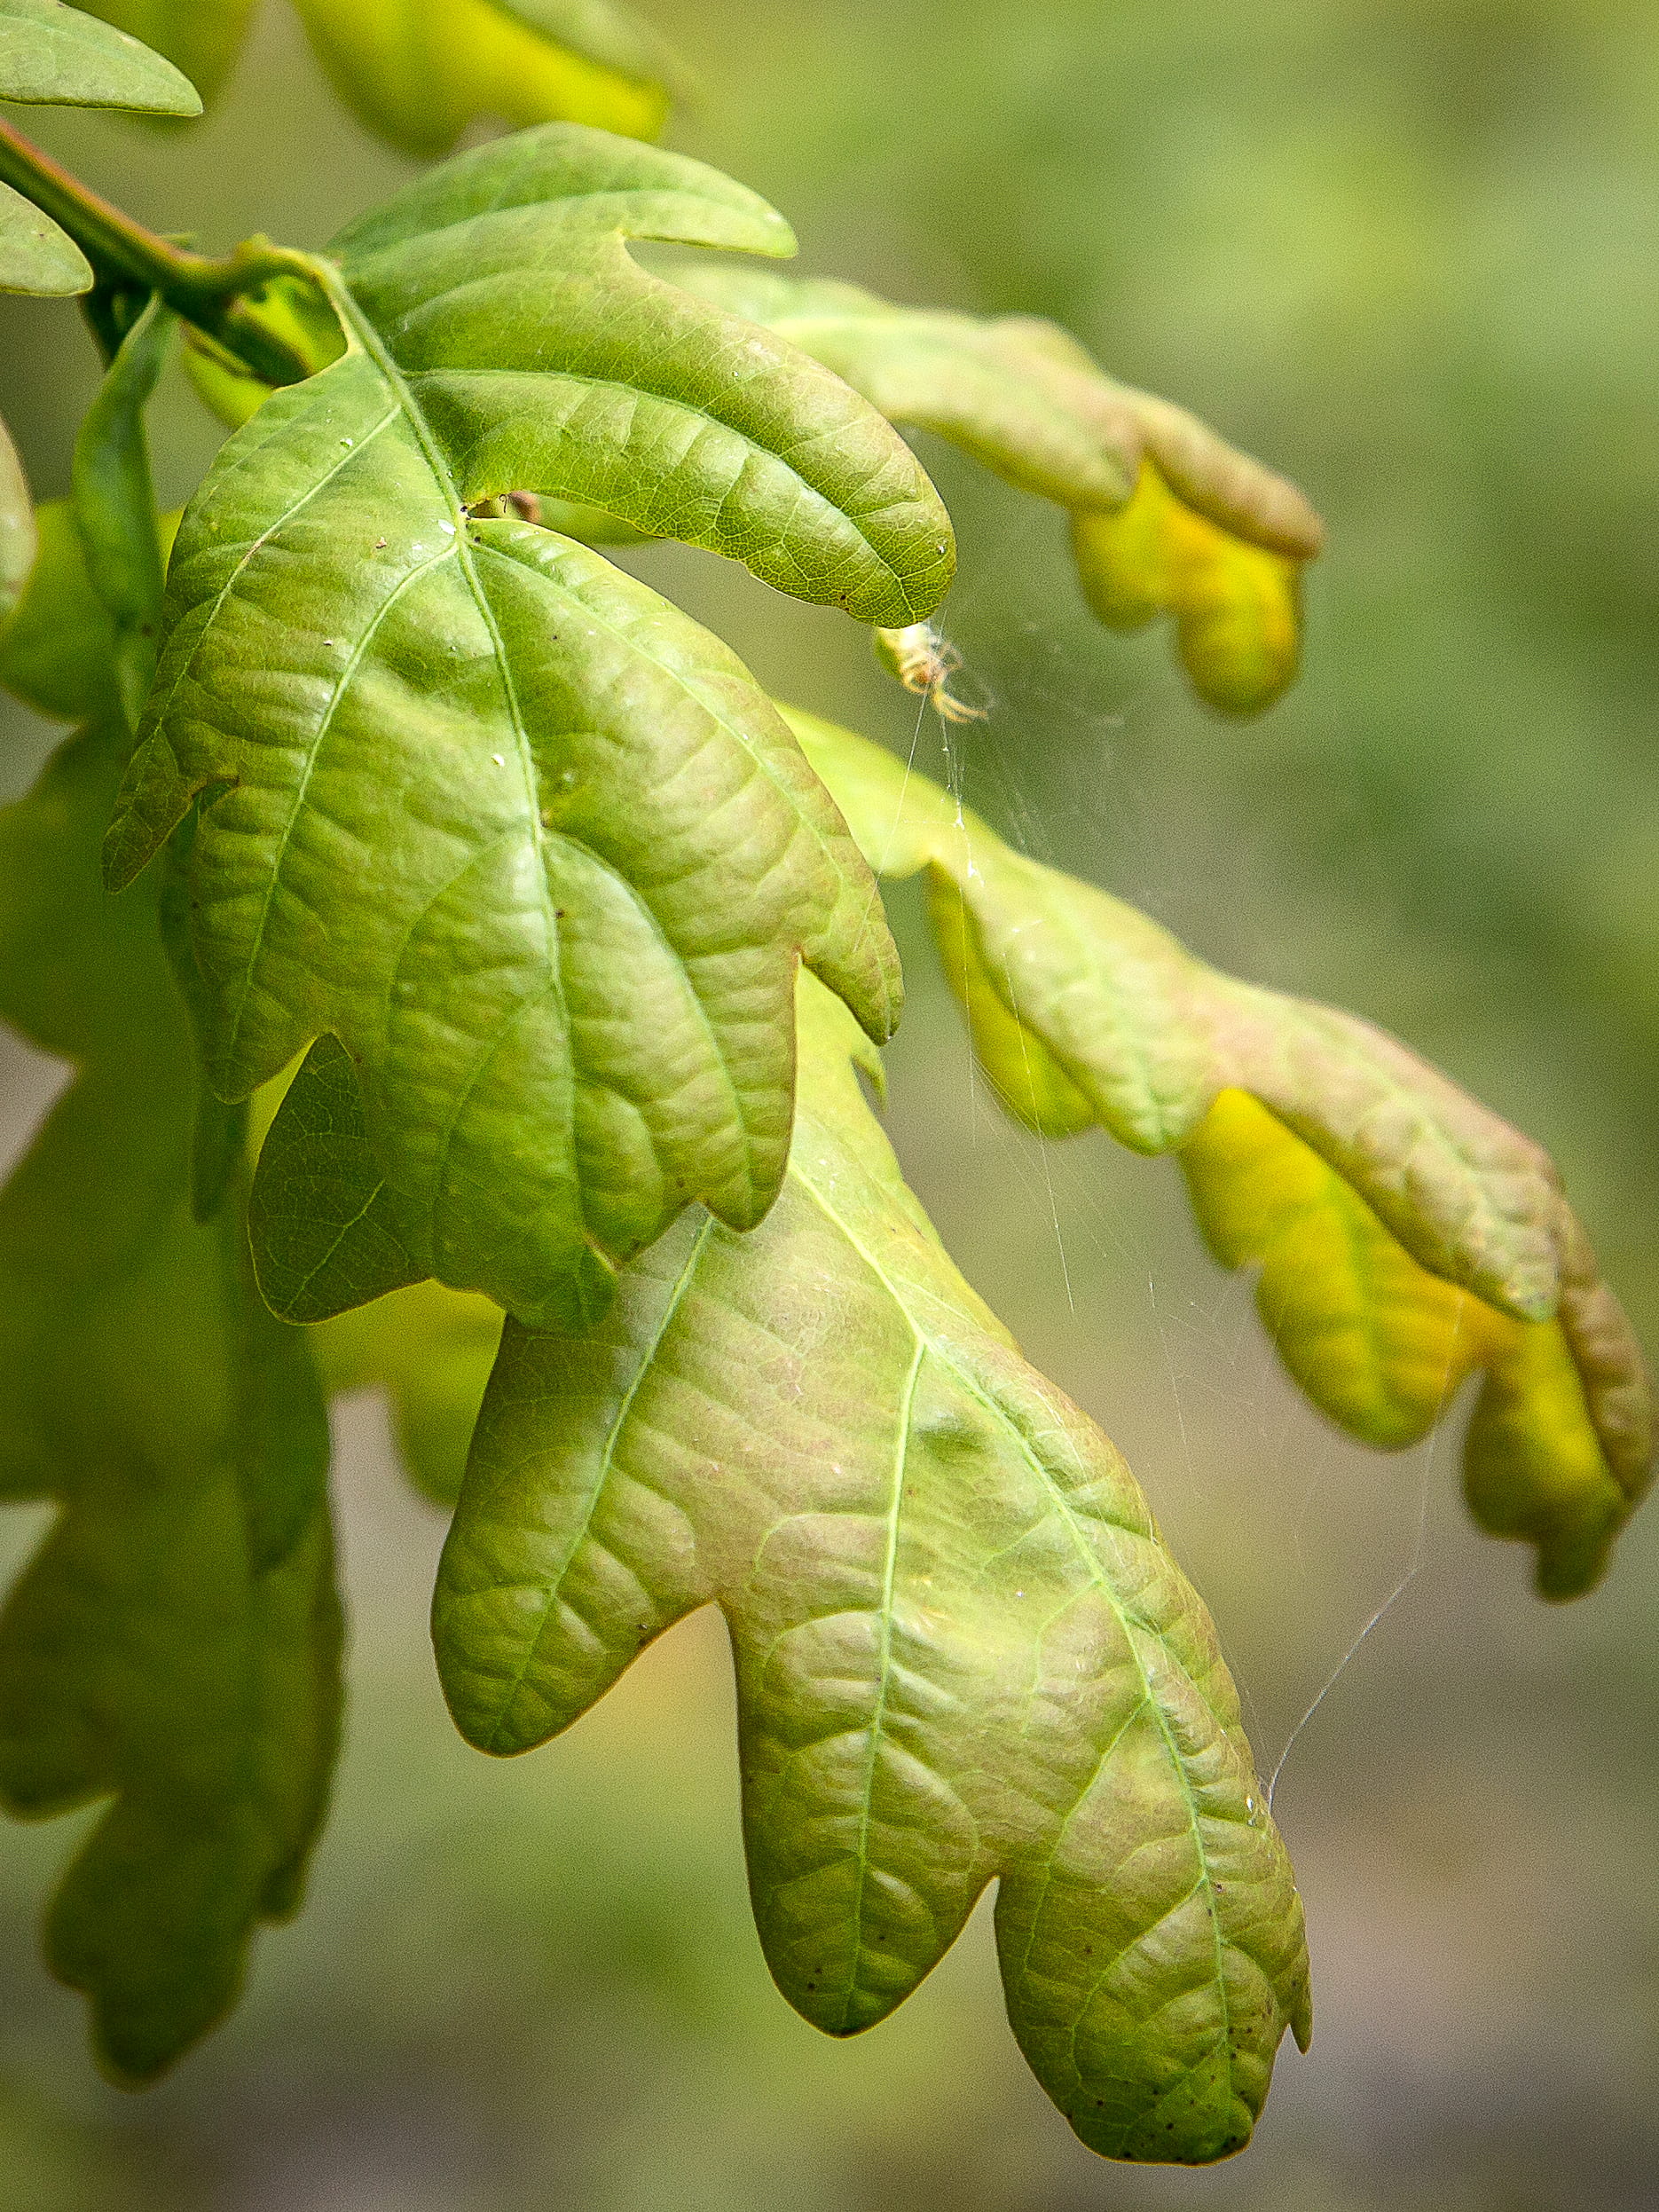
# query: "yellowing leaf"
{"points": [[1407, 1236], [1381, 1345], [420, 71], [1166, 519], [1236, 605]]}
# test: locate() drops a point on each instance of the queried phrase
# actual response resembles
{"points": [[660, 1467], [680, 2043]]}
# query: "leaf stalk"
{"points": [[218, 296]]}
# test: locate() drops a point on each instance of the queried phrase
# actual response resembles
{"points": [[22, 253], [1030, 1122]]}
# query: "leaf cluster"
{"points": [[483, 980]]}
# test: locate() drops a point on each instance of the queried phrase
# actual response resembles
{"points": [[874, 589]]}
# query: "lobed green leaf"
{"points": [[173, 1647], [962, 1651], [1407, 1236], [1166, 519], [527, 843], [59, 56]]}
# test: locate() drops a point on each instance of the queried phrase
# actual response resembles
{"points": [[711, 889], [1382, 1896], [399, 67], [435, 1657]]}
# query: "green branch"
{"points": [[219, 296]]}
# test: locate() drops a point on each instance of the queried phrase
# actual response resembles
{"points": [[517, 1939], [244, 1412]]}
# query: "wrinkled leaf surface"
{"points": [[962, 1651], [528, 843]]}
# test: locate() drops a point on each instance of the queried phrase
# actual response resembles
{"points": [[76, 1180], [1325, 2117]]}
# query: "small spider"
{"points": [[924, 663]]}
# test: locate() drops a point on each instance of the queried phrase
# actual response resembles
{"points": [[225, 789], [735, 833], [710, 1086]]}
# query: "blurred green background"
{"points": [[1406, 249]]}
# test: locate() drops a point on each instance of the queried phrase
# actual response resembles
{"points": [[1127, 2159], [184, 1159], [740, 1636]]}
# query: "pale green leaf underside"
{"points": [[174, 1645], [35, 255], [529, 844], [1384, 1184], [203, 36], [54, 55], [962, 1651], [19, 537]]}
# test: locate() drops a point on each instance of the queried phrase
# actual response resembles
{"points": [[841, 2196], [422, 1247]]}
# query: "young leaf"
{"points": [[420, 71], [529, 843], [35, 255], [115, 504], [1166, 519], [1406, 1235], [19, 537], [54, 55], [962, 1652], [174, 1645]]}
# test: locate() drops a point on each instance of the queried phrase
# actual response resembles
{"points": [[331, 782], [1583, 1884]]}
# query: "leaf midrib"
{"points": [[825, 1202]]}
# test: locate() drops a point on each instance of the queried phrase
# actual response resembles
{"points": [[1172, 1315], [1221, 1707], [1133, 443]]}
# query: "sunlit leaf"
{"points": [[173, 1647], [1166, 519], [528, 842], [420, 71], [1407, 1236], [962, 1651], [35, 255], [62, 57]]}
